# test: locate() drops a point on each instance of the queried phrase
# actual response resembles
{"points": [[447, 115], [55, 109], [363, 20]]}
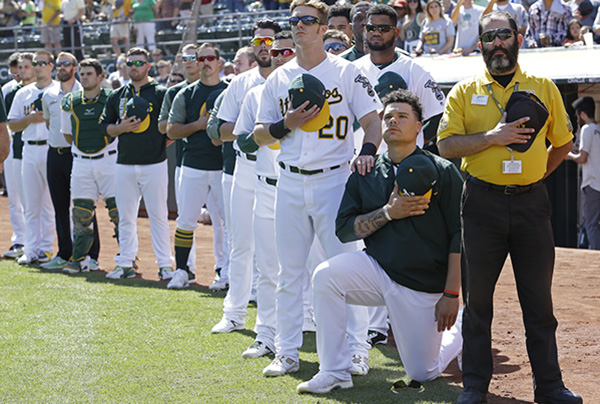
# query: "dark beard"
{"points": [[500, 64], [264, 63], [63, 76], [383, 46]]}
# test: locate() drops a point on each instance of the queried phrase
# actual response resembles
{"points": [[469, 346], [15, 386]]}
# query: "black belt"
{"points": [[297, 170], [37, 142], [270, 181], [96, 157], [505, 189], [250, 157], [61, 150]]}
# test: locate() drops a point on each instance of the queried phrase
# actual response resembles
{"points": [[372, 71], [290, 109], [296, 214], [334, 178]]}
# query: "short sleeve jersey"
{"points": [[80, 117], [435, 33], [350, 96], [470, 109], [590, 142], [27, 100], [148, 147], [237, 90], [52, 113]]}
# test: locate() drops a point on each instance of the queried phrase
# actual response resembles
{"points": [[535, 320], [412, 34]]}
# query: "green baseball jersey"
{"points": [[164, 115], [413, 251], [17, 143], [2, 109], [198, 150], [148, 147], [85, 115]]}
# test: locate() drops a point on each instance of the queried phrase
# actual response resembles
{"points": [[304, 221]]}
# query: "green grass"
{"points": [[82, 339]]}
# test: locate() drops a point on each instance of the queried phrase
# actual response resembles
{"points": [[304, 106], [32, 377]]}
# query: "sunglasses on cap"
{"points": [[65, 64], [306, 20], [136, 63], [380, 28], [268, 40], [209, 58], [188, 58], [40, 63], [502, 33], [334, 46], [283, 51]]}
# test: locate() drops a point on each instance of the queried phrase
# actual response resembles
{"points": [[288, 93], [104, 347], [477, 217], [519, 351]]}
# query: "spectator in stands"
{"points": [[228, 69], [339, 19], [466, 17], [9, 17], [73, 11], [401, 8], [235, 6], [144, 13], [516, 10], [207, 7], [119, 77], [157, 55], [164, 68], [270, 4], [437, 34], [28, 13], [169, 9], [93, 11], [335, 41], [51, 22], [175, 79], [244, 59], [285, 4], [586, 12], [574, 34], [119, 29], [548, 20], [411, 25]]}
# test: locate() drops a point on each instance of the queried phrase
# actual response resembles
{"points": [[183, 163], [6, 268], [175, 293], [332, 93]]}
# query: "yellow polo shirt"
{"points": [[470, 109], [50, 7]]}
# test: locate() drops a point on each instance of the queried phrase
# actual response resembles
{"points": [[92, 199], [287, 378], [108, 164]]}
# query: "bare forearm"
{"points": [[162, 126], [448, 46], [226, 131], [369, 223], [262, 136], [4, 142], [68, 138], [114, 130], [181, 130], [556, 156], [17, 125], [453, 276], [457, 146]]}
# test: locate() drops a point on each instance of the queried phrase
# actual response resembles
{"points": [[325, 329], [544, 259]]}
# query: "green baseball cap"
{"points": [[416, 175], [140, 108], [306, 87], [388, 82]]}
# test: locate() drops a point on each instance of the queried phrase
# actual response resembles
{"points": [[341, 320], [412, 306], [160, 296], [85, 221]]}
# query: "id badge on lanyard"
{"points": [[511, 166]]}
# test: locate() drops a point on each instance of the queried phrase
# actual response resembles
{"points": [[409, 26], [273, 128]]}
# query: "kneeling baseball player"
{"points": [[407, 211]]}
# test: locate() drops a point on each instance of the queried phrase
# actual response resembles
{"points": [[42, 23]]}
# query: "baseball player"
{"points": [[192, 73], [142, 169], [410, 264], [94, 163], [4, 136], [26, 115], [242, 193], [381, 33], [12, 165], [201, 165], [317, 144]]}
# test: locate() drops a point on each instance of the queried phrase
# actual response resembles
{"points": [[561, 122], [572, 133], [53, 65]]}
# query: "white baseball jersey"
{"points": [[23, 104], [333, 144], [247, 114], [53, 113]]}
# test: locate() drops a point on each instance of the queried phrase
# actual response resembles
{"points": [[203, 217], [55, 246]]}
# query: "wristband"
{"points": [[450, 293], [278, 130], [386, 213], [368, 149]]}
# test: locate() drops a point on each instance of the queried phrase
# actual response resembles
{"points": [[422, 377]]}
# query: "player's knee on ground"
{"points": [[113, 214], [83, 235]]}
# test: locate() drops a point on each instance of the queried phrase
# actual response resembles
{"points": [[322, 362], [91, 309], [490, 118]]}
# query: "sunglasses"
{"points": [[268, 40], [306, 20], [335, 46], [209, 58], [41, 63], [283, 51], [175, 81], [380, 28], [136, 63], [65, 64], [188, 58], [502, 33]]}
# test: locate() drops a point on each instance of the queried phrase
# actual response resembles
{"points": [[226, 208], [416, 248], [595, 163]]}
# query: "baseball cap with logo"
{"points": [[522, 104], [140, 108], [306, 87], [389, 82], [416, 176]]}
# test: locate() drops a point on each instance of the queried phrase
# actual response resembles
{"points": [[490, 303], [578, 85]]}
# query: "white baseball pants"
{"points": [[191, 262], [356, 278], [226, 184], [150, 182], [14, 186]]}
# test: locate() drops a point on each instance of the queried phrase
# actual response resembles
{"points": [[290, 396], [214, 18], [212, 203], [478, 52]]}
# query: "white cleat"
{"points": [[323, 383]]}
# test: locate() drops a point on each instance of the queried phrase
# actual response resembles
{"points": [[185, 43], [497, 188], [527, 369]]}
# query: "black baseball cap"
{"points": [[140, 108], [522, 104], [306, 87], [416, 175], [388, 82]]}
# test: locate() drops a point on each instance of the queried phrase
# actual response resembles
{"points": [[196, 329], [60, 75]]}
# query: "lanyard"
{"points": [[489, 87]]}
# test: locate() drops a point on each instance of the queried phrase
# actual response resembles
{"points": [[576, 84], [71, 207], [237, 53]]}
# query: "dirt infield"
{"points": [[576, 301]]}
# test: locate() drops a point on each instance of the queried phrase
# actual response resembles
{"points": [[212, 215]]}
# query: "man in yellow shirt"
{"points": [[505, 207], [51, 21]]}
